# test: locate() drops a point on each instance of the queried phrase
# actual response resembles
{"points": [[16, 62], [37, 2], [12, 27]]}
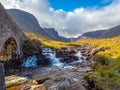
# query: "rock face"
{"points": [[54, 33], [11, 37]]}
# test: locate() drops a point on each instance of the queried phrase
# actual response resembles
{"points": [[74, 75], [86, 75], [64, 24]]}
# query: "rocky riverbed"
{"points": [[52, 78], [64, 70]]}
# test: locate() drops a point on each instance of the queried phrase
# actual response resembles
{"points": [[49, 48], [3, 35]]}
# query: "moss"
{"points": [[31, 47]]}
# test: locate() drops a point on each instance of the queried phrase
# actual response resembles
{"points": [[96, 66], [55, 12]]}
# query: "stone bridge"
{"points": [[11, 37]]}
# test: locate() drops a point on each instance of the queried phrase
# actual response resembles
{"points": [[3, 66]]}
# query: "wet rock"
{"points": [[67, 55], [14, 80], [42, 60], [38, 87], [58, 83], [65, 79], [95, 51], [89, 51], [70, 58], [58, 79], [76, 86], [31, 87], [40, 81]]}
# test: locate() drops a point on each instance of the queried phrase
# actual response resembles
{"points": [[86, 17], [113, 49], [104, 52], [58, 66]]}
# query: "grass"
{"points": [[112, 43], [48, 42]]}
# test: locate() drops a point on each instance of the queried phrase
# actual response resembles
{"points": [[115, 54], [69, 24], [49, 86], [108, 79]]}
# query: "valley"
{"points": [[95, 67], [37, 58]]}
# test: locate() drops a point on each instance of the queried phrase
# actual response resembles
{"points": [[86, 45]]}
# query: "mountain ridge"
{"points": [[54, 33], [98, 34], [29, 23]]}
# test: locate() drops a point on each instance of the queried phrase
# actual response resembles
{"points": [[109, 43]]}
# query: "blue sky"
{"points": [[70, 5]]}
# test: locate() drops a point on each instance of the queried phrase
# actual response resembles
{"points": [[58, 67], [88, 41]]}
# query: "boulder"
{"points": [[67, 55], [38, 87], [89, 51], [42, 60], [31, 47], [14, 80]]}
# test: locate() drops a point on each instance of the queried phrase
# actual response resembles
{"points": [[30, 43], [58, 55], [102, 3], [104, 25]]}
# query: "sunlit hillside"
{"points": [[112, 43], [49, 42]]}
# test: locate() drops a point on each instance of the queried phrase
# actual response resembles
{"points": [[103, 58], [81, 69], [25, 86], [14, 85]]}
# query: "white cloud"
{"points": [[69, 23]]}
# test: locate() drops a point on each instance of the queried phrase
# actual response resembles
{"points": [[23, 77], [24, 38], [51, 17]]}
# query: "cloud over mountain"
{"points": [[71, 23]]}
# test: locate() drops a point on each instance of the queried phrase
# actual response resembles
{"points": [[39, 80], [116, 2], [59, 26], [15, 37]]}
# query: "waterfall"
{"points": [[31, 61], [51, 55], [79, 55]]}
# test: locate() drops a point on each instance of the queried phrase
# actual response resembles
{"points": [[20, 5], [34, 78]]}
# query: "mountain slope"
{"points": [[27, 22], [92, 34], [108, 33], [52, 32], [112, 32]]}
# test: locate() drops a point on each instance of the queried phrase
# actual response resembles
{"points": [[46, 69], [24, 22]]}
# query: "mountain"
{"points": [[112, 32], [52, 32], [27, 22], [108, 33], [91, 35]]}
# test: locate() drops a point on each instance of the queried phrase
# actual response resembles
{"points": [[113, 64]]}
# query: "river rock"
{"points": [[76, 86], [89, 51], [67, 55], [42, 60], [67, 79], [14, 80], [37, 87]]}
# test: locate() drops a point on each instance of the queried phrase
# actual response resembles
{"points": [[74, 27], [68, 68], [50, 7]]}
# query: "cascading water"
{"points": [[50, 54], [31, 61], [79, 55], [80, 60]]}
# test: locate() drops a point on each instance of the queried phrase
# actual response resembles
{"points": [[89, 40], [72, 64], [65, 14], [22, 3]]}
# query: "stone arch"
{"points": [[9, 50]]}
